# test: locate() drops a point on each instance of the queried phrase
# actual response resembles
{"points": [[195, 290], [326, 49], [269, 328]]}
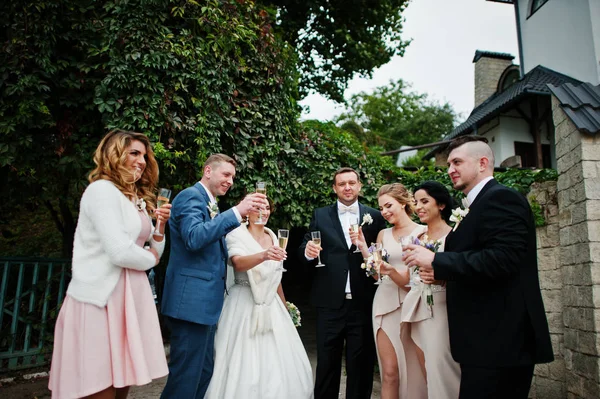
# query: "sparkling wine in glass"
{"points": [[354, 226], [261, 188], [164, 196], [282, 237], [404, 241], [316, 239], [378, 258]]}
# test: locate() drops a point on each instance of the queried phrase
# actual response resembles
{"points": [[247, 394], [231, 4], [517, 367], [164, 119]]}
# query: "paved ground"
{"points": [[38, 388]]}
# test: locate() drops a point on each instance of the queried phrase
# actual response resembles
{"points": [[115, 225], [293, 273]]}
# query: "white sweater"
{"points": [[107, 229]]}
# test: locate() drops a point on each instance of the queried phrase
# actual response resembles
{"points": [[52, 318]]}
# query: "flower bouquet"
{"points": [[433, 246], [369, 265], [294, 313]]}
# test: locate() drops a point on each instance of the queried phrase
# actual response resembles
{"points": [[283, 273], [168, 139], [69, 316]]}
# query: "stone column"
{"points": [[578, 164], [549, 379]]}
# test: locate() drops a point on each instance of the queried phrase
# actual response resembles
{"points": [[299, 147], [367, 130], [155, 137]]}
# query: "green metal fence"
{"points": [[31, 292]]}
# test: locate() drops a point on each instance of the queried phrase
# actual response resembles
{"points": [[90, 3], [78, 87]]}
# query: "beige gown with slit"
{"points": [[387, 316], [429, 331]]}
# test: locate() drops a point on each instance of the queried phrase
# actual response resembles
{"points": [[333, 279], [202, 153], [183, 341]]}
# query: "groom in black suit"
{"points": [[497, 324], [342, 293]]}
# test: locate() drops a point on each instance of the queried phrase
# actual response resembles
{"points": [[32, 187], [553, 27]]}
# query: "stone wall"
{"points": [[488, 71], [549, 379], [578, 189]]}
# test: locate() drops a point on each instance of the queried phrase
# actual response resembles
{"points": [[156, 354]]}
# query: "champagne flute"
{"points": [[261, 188], [316, 238], [378, 258], [354, 226], [164, 196], [282, 236], [404, 241]]}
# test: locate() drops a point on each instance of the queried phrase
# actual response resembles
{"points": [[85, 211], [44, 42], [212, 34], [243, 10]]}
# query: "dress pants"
{"points": [[495, 382], [192, 359], [352, 324]]}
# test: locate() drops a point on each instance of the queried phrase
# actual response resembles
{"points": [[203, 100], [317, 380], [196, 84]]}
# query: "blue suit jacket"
{"points": [[195, 278]]}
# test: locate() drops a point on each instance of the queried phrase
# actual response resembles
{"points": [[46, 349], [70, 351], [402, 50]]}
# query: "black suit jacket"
{"points": [[329, 283], [495, 311]]}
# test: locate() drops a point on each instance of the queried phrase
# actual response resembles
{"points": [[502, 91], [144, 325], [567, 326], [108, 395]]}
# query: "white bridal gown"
{"points": [[258, 352]]}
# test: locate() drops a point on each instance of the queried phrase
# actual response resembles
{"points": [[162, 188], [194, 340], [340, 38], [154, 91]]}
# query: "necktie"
{"points": [[352, 209], [465, 203]]}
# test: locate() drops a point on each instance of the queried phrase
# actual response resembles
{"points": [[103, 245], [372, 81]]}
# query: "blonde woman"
{"points": [[107, 336], [399, 358]]}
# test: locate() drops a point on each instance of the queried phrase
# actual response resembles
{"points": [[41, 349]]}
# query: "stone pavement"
{"points": [[38, 387]]}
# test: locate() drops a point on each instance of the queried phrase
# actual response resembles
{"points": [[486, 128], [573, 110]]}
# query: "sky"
{"points": [[439, 60]]}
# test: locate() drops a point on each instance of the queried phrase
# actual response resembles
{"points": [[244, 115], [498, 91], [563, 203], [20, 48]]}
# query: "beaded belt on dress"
{"points": [[437, 288], [242, 282]]}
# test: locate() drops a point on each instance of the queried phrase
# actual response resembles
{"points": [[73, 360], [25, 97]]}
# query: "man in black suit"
{"points": [[497, 324], [341, 292]]}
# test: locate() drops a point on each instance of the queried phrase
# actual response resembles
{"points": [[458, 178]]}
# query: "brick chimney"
{"points": [[488, 69]]}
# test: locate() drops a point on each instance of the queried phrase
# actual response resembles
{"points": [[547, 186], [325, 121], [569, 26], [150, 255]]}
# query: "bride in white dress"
{"points": [[258, 352]]}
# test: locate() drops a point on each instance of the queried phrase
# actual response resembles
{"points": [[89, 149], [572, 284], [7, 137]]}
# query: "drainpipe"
{"points": [[519, 38]]}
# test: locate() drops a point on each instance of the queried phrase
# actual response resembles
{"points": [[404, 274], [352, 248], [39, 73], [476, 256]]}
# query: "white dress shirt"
{"points": [[346, 220], [213, 200]]}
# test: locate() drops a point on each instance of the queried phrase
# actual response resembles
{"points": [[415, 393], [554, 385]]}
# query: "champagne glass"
{"points": [[261, 188], [164, 196], [404, 241], [378, 258], [316, 238], [282, 236], [354, 226]]}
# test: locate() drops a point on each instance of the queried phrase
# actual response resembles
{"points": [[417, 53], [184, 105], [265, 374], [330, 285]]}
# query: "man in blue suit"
{"points": [[195, 279]]}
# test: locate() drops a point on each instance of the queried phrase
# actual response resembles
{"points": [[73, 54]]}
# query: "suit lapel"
{"points": [[337, 225], [487, 186]]}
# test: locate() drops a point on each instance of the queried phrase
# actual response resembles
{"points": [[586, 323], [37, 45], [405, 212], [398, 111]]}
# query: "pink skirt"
{"points": [[119, 345]]}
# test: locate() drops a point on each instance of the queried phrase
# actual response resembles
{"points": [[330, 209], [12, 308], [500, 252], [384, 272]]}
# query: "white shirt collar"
{"points": [[477, 189], [339, 204], [211, 198]]}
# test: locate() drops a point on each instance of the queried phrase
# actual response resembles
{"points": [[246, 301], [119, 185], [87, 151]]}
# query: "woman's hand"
{"points": [[385, 269], [163, 214], [275, 253]]}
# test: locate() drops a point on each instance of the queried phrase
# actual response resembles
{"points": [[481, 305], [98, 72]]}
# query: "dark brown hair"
{"points": [[461, 140], [345, 169]]}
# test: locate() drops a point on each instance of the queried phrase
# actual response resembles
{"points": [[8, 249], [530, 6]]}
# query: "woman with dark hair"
{"points": [[107, 335], [424, 307]]}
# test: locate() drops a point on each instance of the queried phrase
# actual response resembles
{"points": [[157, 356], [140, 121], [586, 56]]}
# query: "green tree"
{"points": [[393, 116], [338, 39], [197, 78]]}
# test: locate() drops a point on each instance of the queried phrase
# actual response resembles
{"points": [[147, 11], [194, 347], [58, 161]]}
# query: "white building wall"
{"points": [[560, 36], [502, 137]]}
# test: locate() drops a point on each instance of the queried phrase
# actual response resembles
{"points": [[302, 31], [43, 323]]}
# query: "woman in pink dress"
{"points": [[401, 374], [107, 336]]}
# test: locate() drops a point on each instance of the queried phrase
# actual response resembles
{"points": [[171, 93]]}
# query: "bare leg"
{"points": [[108, 393], [421, 357], [122, 393], [390, 377]]}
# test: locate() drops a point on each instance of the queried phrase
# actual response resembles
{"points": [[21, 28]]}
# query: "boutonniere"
{"points": [[213, 209], [140, 204], [458, 215], [367, 218]]}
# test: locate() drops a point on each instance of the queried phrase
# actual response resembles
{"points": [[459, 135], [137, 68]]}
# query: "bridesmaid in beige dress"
{"points": [[429, 324], [399, 364]]}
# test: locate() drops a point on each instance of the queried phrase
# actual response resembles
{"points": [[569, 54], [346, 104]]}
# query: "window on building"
{"points": [[509, 76], [536, 5], [527, 153]]}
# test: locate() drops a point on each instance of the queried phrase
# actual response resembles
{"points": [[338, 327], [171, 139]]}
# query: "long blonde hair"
{"points": [[400, 194], [110, 158]]}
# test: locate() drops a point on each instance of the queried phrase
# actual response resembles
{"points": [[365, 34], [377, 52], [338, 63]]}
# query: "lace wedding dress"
{"points": [[258, 352]]}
